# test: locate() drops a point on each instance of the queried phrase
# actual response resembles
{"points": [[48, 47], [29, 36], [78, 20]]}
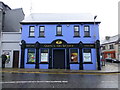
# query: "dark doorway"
{"points": [[15, 59], [59, 59]]}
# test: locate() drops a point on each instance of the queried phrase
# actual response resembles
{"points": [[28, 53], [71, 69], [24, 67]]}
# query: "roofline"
{"points": [[59, 22], [19, 9], [109, 43], [5, 5]]}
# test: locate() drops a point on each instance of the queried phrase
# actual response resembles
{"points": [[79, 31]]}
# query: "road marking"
{"points": [[34, 82], [111, 81], [84, 73]]}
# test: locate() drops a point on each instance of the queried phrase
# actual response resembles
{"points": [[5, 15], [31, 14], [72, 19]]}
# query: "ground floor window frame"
{"points": [[31, 57], [87, 55], [44, 62], [74, 55]]}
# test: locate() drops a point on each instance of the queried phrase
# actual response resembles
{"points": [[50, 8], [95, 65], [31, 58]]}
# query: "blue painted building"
{"points": [[60, 41]]}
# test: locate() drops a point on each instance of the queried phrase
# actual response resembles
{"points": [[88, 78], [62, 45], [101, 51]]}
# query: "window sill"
{"points": [[74, 63], [41, 37], [87, 36], [87, 63], [76, 36], [30, 63], [31, 36], [59, 35], [43, 63]]}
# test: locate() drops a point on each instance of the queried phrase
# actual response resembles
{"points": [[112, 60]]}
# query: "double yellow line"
{"points": [[80, 73]]}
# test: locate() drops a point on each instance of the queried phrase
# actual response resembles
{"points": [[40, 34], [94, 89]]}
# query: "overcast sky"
{"points": [[106, 10]]}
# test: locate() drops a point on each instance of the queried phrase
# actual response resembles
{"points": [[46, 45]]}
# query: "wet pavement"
{"points": [[108, 68], [27, 80], [33, 78]]}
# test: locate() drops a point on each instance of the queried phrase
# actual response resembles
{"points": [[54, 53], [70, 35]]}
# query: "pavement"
{"points": [[107, 69]]}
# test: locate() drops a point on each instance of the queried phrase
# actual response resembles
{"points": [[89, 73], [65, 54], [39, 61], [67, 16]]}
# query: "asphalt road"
{"points": [[31, 80], [46, 80]]}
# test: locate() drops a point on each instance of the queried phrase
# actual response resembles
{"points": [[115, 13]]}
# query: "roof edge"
{"points": [[58, 22]]}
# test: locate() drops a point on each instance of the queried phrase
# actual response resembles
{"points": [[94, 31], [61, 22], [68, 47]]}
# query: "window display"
{"points": [[31, 55], [74, 55], [44, 55], [87, 55]]}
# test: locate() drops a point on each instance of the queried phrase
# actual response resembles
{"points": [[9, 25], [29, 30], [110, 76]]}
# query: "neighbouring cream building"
{"points": [[110, 47], [10, 34]]}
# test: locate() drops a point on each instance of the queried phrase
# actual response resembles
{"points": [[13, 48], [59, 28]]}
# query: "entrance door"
{"points": [[15, 59], [59, 59]]}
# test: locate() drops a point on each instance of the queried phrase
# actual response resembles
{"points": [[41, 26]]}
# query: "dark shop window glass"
{"points": [[59, 30], [76, 30], [111, 46], [41, 31], [87, 55], [44, 55], [31, 31], [103, 48], [86, 31], [73, 55], [31, 55]]}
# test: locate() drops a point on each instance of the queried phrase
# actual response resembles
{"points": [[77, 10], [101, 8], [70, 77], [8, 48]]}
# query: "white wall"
{"points": [[10, 42]]}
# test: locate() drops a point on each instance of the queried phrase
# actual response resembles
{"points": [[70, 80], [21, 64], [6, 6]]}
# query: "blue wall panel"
{"points": [[43, 66], [91, 66], [74, 66], [68, 34]]}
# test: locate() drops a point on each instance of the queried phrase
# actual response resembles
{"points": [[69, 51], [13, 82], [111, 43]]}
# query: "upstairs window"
{"points": [[31, 31], [111, 46], [59, 31], [86, 31], [76, 31], [41, 31]]}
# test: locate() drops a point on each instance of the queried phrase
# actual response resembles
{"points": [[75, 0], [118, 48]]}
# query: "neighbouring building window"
{"points": [[103, 48], [86, 31], [111, 46], [31, 55], [73, 55], [59, 31], [31, 31], [41, 31], [87, 55], [44, 55], [76, 30]]}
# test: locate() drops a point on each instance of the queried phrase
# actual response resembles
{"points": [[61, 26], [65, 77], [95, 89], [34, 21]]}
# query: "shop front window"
{"points": [[44, 55], [87, 55], [31, 55], [73, 55]]}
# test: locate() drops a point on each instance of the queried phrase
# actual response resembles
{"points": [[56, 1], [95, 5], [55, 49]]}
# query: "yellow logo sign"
{"points": [[58, 42]]}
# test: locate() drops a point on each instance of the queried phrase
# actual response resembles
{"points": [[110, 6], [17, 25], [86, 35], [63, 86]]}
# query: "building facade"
{"points": [[10, 34], [60, 41], [110, 47]]}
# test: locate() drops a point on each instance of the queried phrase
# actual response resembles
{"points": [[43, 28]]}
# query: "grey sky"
{"points": [[106, 10]]}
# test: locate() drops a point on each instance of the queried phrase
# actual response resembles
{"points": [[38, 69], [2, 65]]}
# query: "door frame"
{"points": [[18, 58], [53, 55]]}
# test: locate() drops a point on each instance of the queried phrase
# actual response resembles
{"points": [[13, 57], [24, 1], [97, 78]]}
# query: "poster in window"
{"points": [[74, 57], [44, 57], [87, 57], [31, 57]]}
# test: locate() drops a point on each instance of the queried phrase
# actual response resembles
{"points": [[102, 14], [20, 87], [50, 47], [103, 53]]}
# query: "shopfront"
{"points": [[60, 55]]}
